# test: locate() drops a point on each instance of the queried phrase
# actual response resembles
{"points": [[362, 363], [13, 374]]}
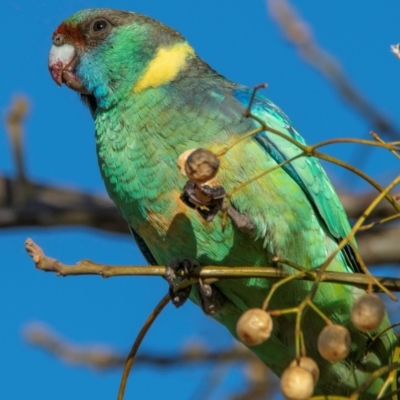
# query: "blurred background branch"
{"points": [[101, 357], [299, 34], [260, 381]]}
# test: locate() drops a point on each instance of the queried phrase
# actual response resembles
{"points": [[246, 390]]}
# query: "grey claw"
{"points": [[205, 289]]}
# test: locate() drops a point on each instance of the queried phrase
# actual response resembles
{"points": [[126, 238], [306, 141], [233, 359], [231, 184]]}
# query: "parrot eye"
{"points": [[99, 25]]}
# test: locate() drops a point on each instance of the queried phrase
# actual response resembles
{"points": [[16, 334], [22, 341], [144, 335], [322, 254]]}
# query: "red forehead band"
{"points": [[70, 33]]}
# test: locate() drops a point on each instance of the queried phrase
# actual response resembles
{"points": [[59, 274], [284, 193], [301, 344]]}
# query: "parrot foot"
{"points": [[178, 298], [205, 199], [210, 299]]}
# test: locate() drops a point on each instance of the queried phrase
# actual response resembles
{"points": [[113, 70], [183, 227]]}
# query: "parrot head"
{"points": [[106, 54]]}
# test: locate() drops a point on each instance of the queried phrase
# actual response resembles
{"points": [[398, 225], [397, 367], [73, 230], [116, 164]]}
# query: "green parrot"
{"points": [[152, 98]]}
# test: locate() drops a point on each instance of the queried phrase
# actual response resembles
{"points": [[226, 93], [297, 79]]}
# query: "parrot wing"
{"points": [[306, 171]]}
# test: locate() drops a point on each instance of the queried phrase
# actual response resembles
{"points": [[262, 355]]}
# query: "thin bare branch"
{"points": [[138, 341], [208, 273]]}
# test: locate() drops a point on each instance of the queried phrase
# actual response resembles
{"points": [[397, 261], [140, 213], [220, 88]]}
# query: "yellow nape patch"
{"points": [[164, 67]]}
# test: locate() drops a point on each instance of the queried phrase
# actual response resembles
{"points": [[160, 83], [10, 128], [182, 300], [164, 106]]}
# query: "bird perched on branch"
{"points": [[152, 98]]}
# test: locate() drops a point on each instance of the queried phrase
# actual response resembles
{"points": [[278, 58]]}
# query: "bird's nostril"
{"points": [[58, 39]]}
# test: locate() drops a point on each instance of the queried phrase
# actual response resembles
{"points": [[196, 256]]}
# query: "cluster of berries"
{"points": [[300, 377]]}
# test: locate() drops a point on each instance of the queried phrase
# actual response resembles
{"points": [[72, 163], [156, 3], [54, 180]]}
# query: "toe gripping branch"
{"points": [[210, 299], [178, 298]]}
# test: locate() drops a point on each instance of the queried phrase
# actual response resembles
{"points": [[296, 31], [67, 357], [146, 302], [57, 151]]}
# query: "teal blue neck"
{"points": [[125, 52]]}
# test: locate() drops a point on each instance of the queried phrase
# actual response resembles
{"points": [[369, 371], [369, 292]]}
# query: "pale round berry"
{"points": [[368, 312], [309, 365], [254, 326], [297, 383], [334, 343], [201, 166]]}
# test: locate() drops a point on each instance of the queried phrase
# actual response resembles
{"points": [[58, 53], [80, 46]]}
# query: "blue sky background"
{"points": [[238, 39]]}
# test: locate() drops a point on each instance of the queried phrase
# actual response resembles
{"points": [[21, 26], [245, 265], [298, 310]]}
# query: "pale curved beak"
{"points": [[62, 63]]}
